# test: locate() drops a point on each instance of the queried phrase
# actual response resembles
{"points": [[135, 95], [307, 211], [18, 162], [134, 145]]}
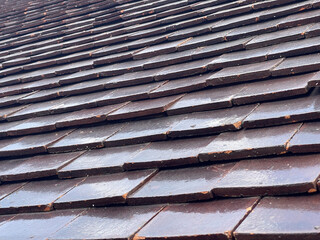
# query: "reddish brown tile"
{"points": [[85, 138], [181, 185], [210, 122], [284, 217], [108, 223], [218, 220], [36, 196], [168, 153], [271, 176], [307, 138], [144, 108], [249, 143], [7, 189]]}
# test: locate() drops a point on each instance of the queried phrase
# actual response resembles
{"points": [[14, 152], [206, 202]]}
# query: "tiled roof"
{"points": [[151, 119]]}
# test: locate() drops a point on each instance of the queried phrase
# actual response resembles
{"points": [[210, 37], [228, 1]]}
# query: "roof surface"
{"points": [[159, 119]]}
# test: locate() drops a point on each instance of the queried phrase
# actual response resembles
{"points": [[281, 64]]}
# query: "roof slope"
{"points": [[159, 119]]}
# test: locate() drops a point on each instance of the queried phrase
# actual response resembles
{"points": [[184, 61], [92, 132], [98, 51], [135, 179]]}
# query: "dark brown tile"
{"points": [[132, 93], [300, 19], [307, 138], [130, 79], [36, 196], [85, 138], [87, 116], [37, 225], [243, 73], [271, 176], [168, 153], [282, 112], [108, 223], [284, 217], [144, 108], [106, 160], [104, 190], [183, 70], [301, 64], [180, 86], [210, 122], [253, 29], [143, 131], [277, 37], [315, 80], [181, 185], [6, 112], [249, 143], [162, 48], [169, 59], [30, 145], [6, 189], [35, 167], [205, 100], [295, 48], [313, 31], [218, 219], [272, 89]]}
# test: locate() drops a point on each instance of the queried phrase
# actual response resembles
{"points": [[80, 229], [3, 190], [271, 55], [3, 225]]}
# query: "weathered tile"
{"points": [[183, 70], [169, 153], [6, 189], [31, 144], [37, 225], [106, 160], [295, 48], [144, 108], [132, 93], [35, 167], [277, 37], [104, 190], [306, 139], [85, 138], [108, 223], [272, 89], [243, 73], [143, 131], [209, 122], [287, 218], [86, 116], [34, 125], [253, 29], [271, 176], [36, 196], [282, 112], [315, 80], [300, 19], [6, 112], [169, 59], [162, 48], [180, 185], [249, 143], [300, 64], [180, 86], [205, 100], [218, 219]]}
